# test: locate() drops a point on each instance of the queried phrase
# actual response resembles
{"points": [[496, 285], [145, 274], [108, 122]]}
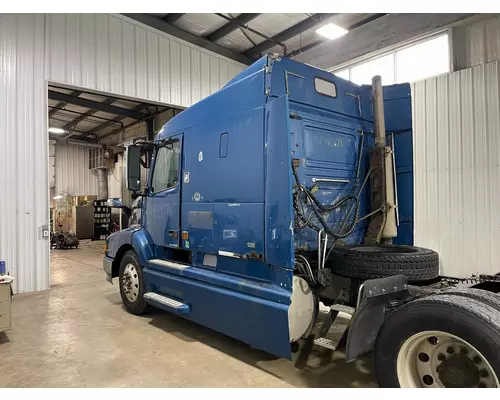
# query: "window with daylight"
{"points": [[423, 60], [411, 63], [344, 74], [384, 66], [166, 168]]}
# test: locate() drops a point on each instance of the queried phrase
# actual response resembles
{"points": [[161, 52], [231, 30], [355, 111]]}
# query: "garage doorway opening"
{"points": [[88, 135]]}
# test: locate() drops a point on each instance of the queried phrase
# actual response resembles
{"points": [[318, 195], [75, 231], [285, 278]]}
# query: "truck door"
{"points": [[163, 204]]}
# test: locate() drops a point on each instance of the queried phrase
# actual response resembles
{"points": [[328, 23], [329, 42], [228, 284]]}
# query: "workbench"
{"points": [[5, 307]]}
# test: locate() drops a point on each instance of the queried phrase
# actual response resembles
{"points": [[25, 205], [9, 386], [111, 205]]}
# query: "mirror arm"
{"points": [[138, 193]]}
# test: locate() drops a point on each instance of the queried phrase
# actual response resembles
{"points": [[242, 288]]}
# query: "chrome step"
{"points": [[167, 303], [169, 264], [327, 343]]}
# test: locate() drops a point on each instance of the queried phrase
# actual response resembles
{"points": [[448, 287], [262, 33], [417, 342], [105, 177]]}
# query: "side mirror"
{"points": [[117, 203], [133, 168], [114, 203]]}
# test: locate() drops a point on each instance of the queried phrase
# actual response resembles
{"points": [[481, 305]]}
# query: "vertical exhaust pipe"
{"points": [[389, 230], [102, 183], [378, 111], [382, 226]]}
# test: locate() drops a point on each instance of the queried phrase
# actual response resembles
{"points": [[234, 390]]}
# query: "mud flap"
{"points": [[369, 317]]}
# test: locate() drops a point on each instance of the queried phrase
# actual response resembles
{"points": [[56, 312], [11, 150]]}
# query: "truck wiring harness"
{"points": [[304, 198]]}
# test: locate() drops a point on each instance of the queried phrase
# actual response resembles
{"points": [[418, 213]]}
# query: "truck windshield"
{"points": [[166, 168]]}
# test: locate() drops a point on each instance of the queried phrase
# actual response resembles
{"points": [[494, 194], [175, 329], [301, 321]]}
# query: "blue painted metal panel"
{"points": [[297, 79], [257, 66], [397, 106], [239, 228], [236, 178], [118, 239], [279, 210], [143, 246], [231, 100], [250, 318]]}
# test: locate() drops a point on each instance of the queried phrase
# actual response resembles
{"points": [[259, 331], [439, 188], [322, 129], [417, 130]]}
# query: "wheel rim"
{"points": [[130, 282], [436, 359]]}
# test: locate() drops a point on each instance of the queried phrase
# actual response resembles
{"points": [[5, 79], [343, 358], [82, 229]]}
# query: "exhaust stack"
{"points": [[383, 226]]}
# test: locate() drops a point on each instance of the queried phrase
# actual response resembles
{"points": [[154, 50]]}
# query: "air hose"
{"points": [[318, 208]]}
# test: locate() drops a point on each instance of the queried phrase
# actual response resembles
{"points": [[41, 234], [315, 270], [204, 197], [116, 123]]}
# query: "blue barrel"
{"points": [[2, 267]]}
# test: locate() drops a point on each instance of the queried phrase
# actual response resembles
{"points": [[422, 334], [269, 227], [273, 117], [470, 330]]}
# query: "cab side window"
{"points": [[166, 168]]}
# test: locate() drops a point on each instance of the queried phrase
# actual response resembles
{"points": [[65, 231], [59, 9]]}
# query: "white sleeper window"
{"points": [[325, 87]]}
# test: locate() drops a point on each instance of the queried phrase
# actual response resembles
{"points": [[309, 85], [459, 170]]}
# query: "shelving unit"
{"points": [[102, 220]]}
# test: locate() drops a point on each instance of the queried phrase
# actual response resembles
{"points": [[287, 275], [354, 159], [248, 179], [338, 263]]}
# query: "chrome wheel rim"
{"points": [[130, 282], [435, 359]]}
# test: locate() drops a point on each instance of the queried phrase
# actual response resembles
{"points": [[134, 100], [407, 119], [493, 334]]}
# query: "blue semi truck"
{"points": [[288, 188]]}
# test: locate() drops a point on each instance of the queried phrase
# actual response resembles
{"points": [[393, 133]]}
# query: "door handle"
{"points": [[172, 234]]}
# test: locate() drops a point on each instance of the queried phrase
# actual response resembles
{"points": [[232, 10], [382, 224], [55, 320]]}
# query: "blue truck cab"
{"points": [[264, 199], [220, 242]]}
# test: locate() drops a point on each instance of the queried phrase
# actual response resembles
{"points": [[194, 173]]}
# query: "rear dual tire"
{"points": [[443, 340]]}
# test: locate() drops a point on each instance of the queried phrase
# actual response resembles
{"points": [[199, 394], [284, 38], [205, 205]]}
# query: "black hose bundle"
{"points": [[301, 194]]}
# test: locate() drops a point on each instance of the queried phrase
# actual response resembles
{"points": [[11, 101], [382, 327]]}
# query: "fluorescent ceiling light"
{"points": [[57, 197], [56, 130], [331, 31]]}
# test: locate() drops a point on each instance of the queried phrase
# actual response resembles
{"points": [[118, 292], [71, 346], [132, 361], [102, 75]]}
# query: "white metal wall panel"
{"points": [[24, 153], [456, 123], [73, 176], [96, 51], [477, 43], [114, 54]]}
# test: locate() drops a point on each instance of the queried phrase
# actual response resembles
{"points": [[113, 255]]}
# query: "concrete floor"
{"points": [[78, 335]]}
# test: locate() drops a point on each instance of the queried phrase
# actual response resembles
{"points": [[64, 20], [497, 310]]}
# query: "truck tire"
{"points": [[440, 341], [382, 260], [131, 281], [483, 296]]}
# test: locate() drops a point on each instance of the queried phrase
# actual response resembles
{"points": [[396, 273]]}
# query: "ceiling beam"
{"points": [[118, 130], [84, 116], [171, 18], [95, 105], [98, 128], [350, 28], [246, 27], [62, 104], [230, 26], [200, 41], [295, 30]]}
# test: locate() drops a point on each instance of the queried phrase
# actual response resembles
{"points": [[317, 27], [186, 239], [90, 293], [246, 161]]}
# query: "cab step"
{"points": [[326, 343], [343, 309], [166, 303]]}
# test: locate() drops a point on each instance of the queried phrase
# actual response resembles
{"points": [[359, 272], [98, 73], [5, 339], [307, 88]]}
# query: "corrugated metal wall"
{"points": [[476, 43], [73, 176], [456, 120], [114, 54], [96, 51], [24, 184]]}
